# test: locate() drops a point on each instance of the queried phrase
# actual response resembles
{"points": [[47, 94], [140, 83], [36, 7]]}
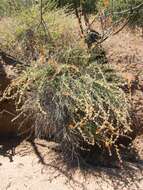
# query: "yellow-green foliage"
{"points": [[82, 104]]}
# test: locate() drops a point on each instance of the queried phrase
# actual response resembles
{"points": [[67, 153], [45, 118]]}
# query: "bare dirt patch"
{"points": [[27, 172]]}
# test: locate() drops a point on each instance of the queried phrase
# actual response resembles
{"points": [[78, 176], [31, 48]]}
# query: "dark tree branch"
{"points": [[78, 18]]}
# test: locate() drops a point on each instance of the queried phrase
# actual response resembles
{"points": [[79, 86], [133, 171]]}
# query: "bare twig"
{"points": [[131, 10], [6, 111], [43, 23]]}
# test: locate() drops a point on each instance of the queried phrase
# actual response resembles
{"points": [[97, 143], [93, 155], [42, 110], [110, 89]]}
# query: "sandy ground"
{"points": [[26, 172]]}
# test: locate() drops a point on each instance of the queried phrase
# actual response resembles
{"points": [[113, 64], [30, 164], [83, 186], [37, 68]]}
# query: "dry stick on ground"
{"points": [[9, 59]]}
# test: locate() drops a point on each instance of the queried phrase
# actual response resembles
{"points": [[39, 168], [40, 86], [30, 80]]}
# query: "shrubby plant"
{"points": [[79, 104], [69, 92]]}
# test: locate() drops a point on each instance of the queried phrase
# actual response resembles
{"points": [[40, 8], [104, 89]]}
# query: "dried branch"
{"points": [[43, 23], [79, 19], [130, 10]]}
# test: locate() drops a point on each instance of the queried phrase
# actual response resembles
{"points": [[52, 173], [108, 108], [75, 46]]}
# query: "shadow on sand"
{"points": [[122, 177]]}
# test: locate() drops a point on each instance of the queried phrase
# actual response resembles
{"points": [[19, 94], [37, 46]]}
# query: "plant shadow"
{"points": [[8, 145], [110, 169]]}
